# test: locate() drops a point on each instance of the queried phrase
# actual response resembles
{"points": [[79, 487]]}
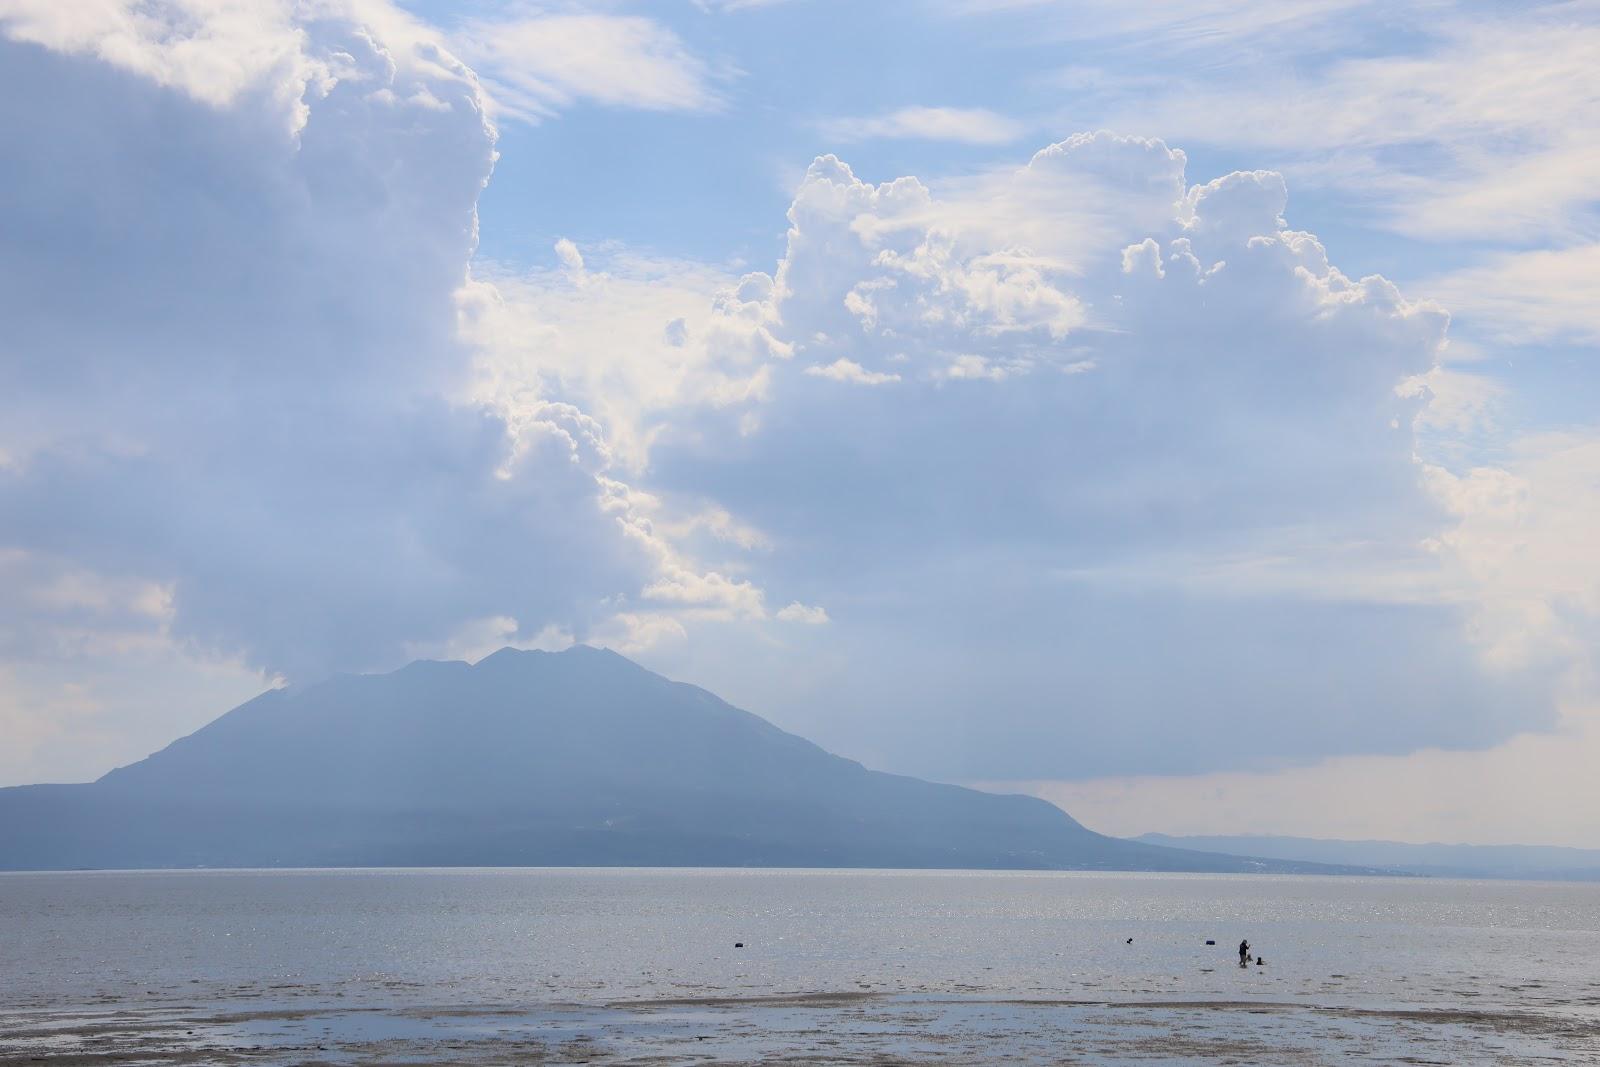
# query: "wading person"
{"points": [[1244, 953]]}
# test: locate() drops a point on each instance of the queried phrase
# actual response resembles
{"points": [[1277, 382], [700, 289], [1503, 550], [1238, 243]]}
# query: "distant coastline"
{"points": [[1520, 862]]}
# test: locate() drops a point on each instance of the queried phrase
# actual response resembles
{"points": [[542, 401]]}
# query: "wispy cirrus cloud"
{"points": [[728, 6], [1459, 128], [965, 125], [1528, 297], [1451, 122], [537, 65], [1170, 24]]}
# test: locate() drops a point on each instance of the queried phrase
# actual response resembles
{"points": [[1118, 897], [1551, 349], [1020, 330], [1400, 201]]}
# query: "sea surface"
{"points": [[643, 966]]}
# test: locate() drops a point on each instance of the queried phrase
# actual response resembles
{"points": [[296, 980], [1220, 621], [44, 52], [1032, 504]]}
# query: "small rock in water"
{"points": [[1211, 942], [738, 944]]}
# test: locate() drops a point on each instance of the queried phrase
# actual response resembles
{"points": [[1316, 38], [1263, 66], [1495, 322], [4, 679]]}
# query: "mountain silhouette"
{"points": [[580, 757]]}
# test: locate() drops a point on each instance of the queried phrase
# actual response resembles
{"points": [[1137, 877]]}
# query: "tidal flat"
{"points": [[805, 1028], [641, 967]]}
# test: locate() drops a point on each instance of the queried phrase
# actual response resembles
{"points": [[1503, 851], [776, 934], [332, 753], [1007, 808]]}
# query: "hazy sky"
{"points": [[1185, 411]]}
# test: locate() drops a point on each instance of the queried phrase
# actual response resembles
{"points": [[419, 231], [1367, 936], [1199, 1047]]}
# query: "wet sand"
{"points": [[805, 1027]]}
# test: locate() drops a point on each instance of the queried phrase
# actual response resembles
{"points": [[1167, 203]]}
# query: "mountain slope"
{"points": [[533, 758]]}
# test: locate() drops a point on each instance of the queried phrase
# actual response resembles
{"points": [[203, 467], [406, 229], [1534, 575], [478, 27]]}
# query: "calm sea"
{"points": [[187, 946]]}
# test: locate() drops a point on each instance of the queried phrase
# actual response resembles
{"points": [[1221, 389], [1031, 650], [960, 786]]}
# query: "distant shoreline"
{"points": [[708, 868]]}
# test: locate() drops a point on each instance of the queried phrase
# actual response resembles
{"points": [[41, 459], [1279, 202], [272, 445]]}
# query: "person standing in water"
{"points": [[1244, 953]]}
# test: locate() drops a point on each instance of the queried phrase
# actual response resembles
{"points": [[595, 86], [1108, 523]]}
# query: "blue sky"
{"points": [[1184, 412], [708, 182]]}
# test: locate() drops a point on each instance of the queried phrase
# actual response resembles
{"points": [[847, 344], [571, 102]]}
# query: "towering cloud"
{"points": [[234, 404], [1094, 469], [1072, 468]]}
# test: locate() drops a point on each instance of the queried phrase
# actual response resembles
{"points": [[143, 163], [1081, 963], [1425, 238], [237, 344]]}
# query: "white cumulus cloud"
{"points": [[848, 370], [797, 612]]}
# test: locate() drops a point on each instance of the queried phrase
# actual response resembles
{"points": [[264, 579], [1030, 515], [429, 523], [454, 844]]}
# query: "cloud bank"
{"points": [[1077, 468], [1096, 469], [239, 419]]}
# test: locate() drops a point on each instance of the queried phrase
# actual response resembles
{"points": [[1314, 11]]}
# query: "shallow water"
{"points": [[953, 966]]}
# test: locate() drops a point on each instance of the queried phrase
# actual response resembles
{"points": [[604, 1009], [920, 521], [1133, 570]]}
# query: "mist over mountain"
{"points": [[533, 758]]}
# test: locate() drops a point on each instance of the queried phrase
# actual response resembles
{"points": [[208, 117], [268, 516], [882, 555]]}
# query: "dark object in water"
{"points": [[1130, 940], [738, 944], [1260, 962], [1211, 942]]}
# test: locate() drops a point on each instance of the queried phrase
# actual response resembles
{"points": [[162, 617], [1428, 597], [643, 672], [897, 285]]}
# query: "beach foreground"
{"points": [[517, 966], [844, 1028]]}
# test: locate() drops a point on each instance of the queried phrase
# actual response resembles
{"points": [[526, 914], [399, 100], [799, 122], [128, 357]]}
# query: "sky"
{"points": [[1182, 412]]}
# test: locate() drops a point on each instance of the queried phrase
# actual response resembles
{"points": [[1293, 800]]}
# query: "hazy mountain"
{"points": [[578, 757], [1442, 861]]}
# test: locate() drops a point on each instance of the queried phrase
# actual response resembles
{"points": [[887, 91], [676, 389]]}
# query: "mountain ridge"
{"points": [[531, 758]]}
